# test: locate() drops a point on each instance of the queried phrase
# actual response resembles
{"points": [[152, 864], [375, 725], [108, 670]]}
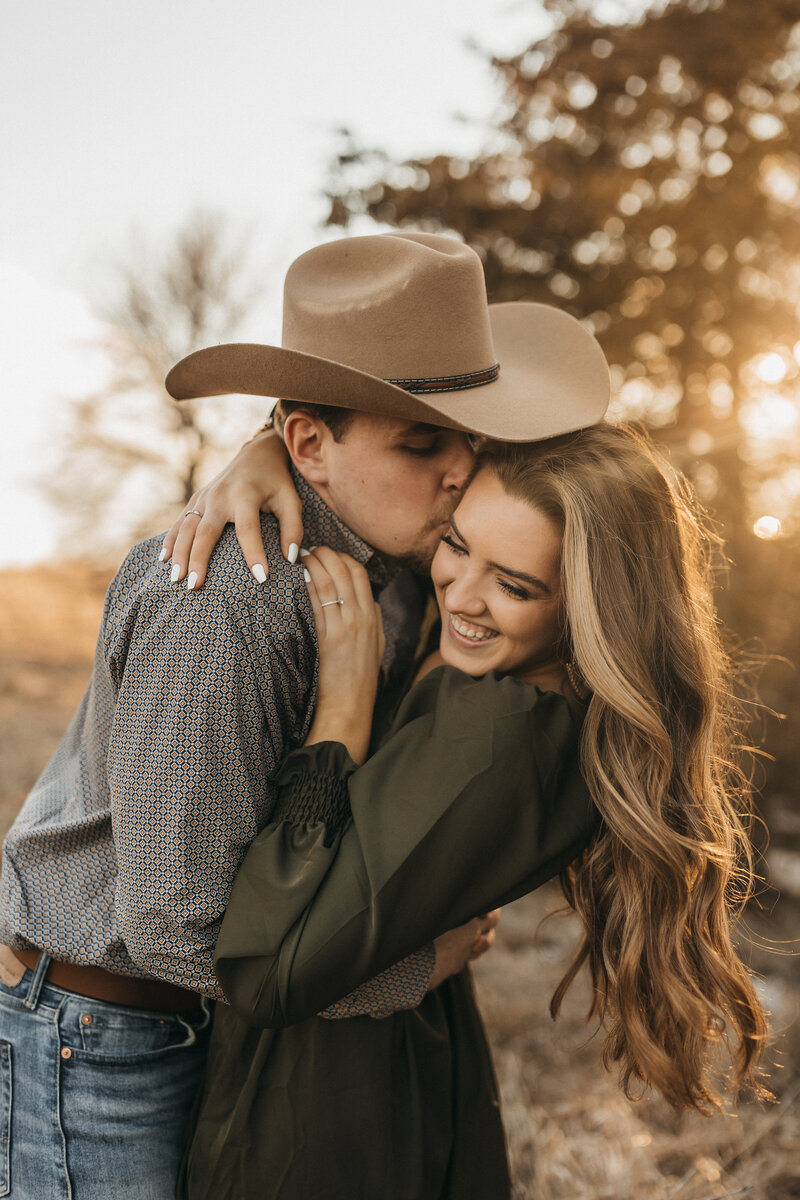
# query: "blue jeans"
{"points": [[94, 1097]]}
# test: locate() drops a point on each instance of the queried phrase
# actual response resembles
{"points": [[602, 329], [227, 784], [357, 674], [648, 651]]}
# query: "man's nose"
{"points": [[460, 461]]}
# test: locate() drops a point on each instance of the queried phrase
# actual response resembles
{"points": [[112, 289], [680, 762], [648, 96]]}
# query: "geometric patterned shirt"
{"points": [[125, 851]]}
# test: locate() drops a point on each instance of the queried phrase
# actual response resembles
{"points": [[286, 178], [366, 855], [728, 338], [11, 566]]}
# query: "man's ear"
{"points": [[306, 438]]}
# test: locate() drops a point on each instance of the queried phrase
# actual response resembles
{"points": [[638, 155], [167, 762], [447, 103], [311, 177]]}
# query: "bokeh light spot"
{"points": [[770, 368], [764, 126], [768, 528], [699, 442], [718, 163]]}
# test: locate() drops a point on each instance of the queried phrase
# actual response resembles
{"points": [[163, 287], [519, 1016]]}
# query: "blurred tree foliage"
{"points": [[646, 177], [131, 457]]}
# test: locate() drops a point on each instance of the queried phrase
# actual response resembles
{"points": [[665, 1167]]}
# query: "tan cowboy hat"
{"points": [[398, 324]]}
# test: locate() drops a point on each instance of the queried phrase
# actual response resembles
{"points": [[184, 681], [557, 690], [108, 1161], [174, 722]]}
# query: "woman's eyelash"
{"points": [[516, 592]]}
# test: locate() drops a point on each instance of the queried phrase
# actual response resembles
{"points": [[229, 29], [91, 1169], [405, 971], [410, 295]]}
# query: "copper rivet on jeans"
{"points": [[66, 1052], [86, 1018]]}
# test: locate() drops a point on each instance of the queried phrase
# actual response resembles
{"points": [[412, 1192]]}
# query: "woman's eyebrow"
{"points": [[458, 532], [533, 580]]}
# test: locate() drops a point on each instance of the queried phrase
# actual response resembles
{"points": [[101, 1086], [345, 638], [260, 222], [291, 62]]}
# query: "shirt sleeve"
{"points": [[190, 754], [399, 987], [475, 798]]}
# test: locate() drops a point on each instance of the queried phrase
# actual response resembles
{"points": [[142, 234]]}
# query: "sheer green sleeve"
{"points": [[474, 799]]}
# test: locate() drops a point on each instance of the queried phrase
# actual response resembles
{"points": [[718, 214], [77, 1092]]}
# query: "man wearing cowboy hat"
{"points": [[117, 871]]}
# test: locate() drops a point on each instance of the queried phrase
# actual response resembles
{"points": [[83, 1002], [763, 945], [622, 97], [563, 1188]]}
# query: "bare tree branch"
{"points": [[131, 455]]}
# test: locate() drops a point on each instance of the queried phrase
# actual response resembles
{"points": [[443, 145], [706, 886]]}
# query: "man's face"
{"points": [[395, 483]]}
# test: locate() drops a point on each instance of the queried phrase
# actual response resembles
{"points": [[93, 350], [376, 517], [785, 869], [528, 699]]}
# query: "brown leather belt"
{"points": [[99, 984]]}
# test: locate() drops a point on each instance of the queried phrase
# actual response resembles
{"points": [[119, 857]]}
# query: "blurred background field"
{"points": [[637, 164]]}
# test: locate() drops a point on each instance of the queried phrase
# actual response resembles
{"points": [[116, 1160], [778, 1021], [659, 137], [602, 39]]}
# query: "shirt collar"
{"points": [[323, 528]]}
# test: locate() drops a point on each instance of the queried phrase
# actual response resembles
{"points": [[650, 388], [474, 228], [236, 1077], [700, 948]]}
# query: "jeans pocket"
{"points": [[12, 999], [105, 1034], [5, 1118]]}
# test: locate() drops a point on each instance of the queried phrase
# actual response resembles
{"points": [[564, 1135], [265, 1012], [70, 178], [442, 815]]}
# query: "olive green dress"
{"points": [[473, 799]]}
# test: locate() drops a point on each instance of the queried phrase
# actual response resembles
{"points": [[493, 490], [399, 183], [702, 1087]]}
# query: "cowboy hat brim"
{"points": [[553, 379]]}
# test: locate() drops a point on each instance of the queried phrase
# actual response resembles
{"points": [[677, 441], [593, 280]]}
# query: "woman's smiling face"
{"points": [[497, 579]]}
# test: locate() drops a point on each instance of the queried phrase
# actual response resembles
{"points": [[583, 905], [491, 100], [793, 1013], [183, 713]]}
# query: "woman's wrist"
{"points": [[266, 431], [346, 725]]}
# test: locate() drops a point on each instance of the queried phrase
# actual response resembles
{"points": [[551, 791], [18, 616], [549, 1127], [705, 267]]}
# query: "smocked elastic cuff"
{"points": [[313, 787], [317, 799]]}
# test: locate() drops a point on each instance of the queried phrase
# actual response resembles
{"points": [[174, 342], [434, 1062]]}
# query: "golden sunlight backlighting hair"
{"points": [[660, 886]]}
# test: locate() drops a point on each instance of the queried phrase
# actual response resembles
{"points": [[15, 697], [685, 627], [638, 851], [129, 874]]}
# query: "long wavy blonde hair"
{"points": [[660, 886]]}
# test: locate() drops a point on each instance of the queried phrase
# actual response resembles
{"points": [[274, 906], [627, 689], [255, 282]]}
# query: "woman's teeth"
{"points": [[475, 633]]}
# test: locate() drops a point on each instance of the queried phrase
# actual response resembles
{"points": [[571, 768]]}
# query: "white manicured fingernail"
{"points": [[292, 555], [162, 555], [304, 553], [260, 573], [306, 576], [175, 572], [191, 581]]}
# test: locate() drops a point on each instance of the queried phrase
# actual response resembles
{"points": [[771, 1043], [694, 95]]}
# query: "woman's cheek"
{"points": [[438, 568]]}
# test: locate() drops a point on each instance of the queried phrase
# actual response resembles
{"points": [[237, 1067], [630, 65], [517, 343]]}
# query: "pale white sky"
{"points": [[123, 113], [121, 110], [132, 112]]}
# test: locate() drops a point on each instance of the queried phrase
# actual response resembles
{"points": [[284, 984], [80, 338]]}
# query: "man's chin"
{"points": [[419, 561], [420, 557]]}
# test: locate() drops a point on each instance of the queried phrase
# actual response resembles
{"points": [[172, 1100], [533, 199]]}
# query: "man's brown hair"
{"points": [[338, 420]]}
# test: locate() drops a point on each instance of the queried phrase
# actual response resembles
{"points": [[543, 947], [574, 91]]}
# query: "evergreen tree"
{"points": [[646, 177]]}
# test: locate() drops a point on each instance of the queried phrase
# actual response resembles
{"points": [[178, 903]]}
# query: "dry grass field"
{"points": [[572, 1135]]}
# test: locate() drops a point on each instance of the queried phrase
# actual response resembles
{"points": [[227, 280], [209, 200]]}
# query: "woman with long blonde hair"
{"points": [[573, 585], [661, 753]]}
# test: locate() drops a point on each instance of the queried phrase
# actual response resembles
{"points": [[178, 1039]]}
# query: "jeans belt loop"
{"points": [[37, 983]]}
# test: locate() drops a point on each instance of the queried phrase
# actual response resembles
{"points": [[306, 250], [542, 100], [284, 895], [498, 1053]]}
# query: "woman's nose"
{"points": [[463, 596]]}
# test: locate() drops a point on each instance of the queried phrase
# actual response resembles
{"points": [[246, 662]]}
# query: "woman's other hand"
{"points": [[351, 645], [463, 945], [485, 939], [257, 480]]}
